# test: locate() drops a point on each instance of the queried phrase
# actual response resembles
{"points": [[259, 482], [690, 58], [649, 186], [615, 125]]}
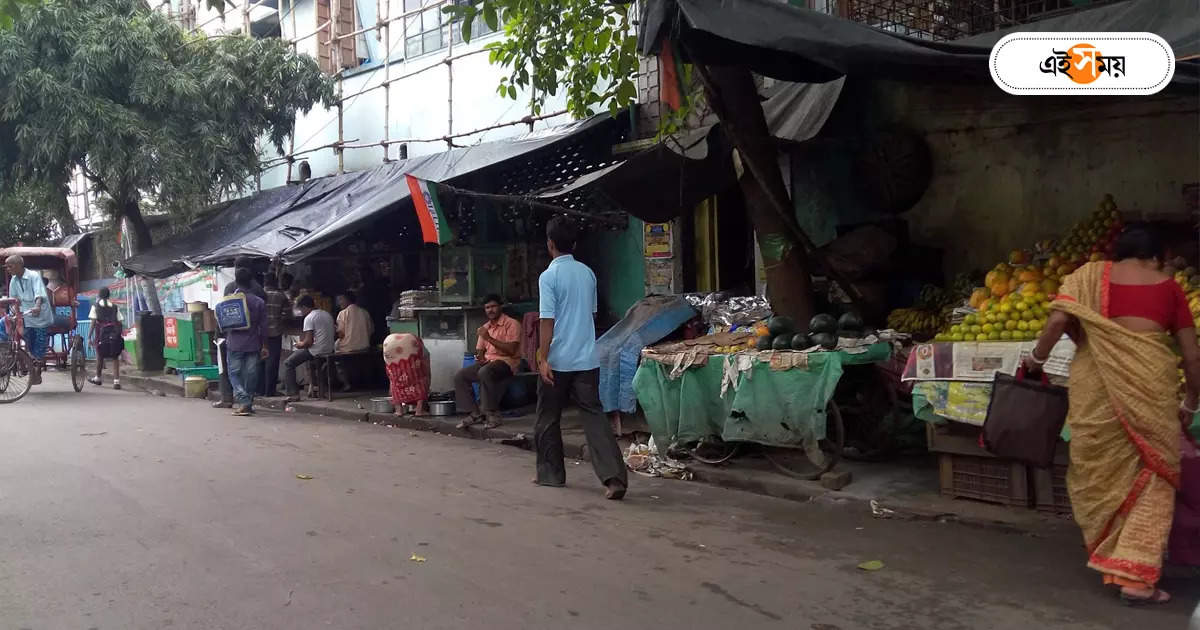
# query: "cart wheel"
{"points": [[715, 451], [78, 364], [795, 462], [16, 367]]}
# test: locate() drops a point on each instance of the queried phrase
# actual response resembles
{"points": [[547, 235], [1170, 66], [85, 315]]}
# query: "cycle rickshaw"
{"points": [[60, 268]]}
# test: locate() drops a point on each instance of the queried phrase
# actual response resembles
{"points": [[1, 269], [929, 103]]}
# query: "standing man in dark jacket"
{"points": [[279, 312], [569, 368], [255, 288], [247, 347]]}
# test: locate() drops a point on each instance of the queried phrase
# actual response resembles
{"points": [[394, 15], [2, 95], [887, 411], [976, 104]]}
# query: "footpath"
{"points": [[905, 489]]}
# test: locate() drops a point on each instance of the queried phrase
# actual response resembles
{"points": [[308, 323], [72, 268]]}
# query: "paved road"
{"points": [[121, 510]]}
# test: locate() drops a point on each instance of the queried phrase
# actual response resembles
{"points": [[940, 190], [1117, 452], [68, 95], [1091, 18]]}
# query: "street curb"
{"points": [[774, 486], [149, 384], [778, 487]]}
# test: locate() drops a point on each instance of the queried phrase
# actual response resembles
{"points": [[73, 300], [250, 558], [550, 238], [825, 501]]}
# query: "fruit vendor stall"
{"points": [[767, 384], [966, 343]]}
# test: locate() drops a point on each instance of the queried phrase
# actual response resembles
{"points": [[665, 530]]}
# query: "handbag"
{"points": [[1024, 419], [233, 313]]}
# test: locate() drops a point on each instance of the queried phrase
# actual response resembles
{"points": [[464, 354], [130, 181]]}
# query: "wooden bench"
{"points": [[328, 364]]}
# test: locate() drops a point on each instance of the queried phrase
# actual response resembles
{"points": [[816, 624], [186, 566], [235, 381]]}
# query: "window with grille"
{"points": [[430, 30]]}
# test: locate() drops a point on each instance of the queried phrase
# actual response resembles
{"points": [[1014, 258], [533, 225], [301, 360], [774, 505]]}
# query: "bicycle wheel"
{"points": [[78, 364], [16, 368], [714, 451], [798, 463]]}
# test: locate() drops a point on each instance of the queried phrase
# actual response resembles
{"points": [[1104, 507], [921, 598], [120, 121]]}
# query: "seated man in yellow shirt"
{"points": [[354, 330], [497, 355]]}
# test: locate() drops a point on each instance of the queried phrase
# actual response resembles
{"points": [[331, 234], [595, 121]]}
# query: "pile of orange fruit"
{"points": [[1015, 300]]}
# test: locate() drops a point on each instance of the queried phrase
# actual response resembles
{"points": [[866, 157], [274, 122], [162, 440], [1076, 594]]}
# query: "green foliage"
{"points": [[23, 216], [10, 10], [587, 48], [147, 110]]}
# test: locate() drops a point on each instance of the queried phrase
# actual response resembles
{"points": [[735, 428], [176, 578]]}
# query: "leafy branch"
{"points": [[585, 48]]}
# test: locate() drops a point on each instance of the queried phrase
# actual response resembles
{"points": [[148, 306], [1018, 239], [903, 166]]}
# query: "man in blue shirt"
{"points": [[568, 366], [28, 287], [247, 347]]}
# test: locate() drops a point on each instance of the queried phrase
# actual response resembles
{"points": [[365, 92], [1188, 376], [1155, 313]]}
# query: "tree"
{"points": [[590, 47], [156, 118], [22, 216], [10, 10]]}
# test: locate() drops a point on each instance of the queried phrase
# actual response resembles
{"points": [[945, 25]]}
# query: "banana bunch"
{"points": [[936, 299], [916, 321]]}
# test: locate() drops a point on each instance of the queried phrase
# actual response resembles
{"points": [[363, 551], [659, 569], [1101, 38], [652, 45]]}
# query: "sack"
{"points": [[232, 313], [1024, 419]]}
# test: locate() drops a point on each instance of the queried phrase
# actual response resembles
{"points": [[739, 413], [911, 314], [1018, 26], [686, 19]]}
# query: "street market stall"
{"points": [[721, 389]]}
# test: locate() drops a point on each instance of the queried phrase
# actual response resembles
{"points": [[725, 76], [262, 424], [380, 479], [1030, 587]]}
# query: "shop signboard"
{"points": [[171, 332]]}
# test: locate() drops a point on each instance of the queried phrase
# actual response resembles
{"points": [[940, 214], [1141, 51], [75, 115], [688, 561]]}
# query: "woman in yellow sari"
{"points": [[1125, 411]]}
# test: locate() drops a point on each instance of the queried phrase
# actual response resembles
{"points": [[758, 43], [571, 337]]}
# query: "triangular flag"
{"points": [[434, 227]]}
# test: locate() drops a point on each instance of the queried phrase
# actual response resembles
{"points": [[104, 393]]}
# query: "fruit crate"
{"points": [[1050, 484], [985, 479]]}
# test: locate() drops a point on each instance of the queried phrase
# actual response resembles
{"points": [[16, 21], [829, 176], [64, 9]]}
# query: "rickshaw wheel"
{"points": [[16, 368], [78, 364], [794, 462]]}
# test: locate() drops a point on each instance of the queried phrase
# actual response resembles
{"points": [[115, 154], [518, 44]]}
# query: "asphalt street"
{"points": [[122, 510]]}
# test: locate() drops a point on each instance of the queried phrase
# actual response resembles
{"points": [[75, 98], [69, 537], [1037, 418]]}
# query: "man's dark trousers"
{"points": [[584, 388]]}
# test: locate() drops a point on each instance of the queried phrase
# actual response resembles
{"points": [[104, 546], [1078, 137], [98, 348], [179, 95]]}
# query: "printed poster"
{"points": [[657, 240]]}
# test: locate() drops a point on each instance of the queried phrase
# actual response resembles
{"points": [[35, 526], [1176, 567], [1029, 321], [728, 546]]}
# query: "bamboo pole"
{"points": [[528, 120], [386, 41], [449, 61], [292, 136]]}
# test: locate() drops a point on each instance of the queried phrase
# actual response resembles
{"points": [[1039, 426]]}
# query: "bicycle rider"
{"points": [[29, 289]]}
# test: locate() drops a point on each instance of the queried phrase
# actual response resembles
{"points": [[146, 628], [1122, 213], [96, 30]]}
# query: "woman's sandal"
{"points": [[1156, 596]]}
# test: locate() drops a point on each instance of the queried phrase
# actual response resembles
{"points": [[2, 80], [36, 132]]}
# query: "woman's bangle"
{"points": [[1183, 407], [1033, 356]]}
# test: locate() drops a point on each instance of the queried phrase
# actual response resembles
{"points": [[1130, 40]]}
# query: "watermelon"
{"points": [[826, 340], [781, 325], [850, 321], [822, 323], [782, 342], [763, 343], [800, 342]]}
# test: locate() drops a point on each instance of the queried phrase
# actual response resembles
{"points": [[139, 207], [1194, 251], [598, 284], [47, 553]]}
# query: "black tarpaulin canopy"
{"points": [[789, 43], [295, 222]]}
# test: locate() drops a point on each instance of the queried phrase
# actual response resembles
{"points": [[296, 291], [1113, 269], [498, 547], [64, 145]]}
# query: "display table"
{"points": [[953, 381], [768, 397]]}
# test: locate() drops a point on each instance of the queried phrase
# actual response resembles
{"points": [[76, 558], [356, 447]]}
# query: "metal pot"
{"points": [[441, 407], [382, 405]]}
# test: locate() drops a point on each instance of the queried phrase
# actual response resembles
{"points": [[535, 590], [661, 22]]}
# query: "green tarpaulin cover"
{"points": [[775, 408]]}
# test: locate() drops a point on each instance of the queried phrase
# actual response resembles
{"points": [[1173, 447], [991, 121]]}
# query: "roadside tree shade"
{"points": [[434, 226]]}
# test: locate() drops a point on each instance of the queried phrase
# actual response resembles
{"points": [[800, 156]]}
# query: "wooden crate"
{"points": [[1050, 484], [985, 478]]}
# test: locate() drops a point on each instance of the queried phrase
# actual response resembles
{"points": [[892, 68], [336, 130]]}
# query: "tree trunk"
{"points": [[60, 206], [733, 95], [139, 233], [140, 240]]}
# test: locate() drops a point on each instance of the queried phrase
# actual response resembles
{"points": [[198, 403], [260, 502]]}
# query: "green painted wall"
{"points": [[616, 257]]}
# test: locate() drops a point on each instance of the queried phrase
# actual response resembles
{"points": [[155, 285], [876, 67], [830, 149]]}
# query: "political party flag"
{"points": [[434, 227]]}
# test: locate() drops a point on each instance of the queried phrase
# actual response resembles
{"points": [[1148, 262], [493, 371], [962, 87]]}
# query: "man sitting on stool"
{"points": [[497, 355]]}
